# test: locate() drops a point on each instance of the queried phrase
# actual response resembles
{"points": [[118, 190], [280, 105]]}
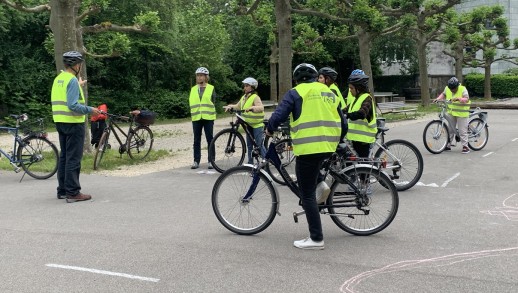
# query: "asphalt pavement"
{"points": [[455, 231]]}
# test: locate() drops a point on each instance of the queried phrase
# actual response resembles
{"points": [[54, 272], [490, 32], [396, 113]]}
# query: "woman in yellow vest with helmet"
{"points": [[203, 112], [253, 112], [458, 111], [362, 117]]}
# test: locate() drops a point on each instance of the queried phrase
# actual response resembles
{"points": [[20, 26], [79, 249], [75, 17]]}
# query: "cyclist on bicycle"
{"points": [[458, 112], [361, 114], [317, 126], [253, 112], [327, 76]]}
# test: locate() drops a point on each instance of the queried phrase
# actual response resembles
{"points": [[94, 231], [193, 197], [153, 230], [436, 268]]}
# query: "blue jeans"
{"points": [[307, 169], [197, 126], [258, 134], [71, 140]]}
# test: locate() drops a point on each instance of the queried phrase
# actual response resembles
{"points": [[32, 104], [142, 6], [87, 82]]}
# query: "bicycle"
{"points": [[139, 138], [35, 154], [436, 134], [284, 148], [245, 200]]}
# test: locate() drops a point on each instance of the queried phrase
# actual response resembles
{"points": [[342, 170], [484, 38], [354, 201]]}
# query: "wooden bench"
{"points": [[396, 107]]}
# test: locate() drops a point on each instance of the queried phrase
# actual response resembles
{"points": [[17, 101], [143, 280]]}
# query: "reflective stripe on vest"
{"points": [[457, 109], [339, 94], [202, 108], [58, 98], [318, 128], [254, 119], [362, 130]]}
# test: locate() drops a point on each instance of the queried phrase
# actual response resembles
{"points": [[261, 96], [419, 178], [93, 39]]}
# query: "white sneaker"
{"points": [[322, 192], [309, 244]]}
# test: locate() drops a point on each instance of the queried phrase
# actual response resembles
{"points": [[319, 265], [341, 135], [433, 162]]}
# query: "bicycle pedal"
{"points": [[296, 215], [17, 170]]}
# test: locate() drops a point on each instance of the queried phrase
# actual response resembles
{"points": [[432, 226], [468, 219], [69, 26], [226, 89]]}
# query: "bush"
{"points": [[502, 85]]}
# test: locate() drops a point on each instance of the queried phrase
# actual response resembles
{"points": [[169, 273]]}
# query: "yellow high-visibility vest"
{"points": [[202, 108], [60, 110], [361, 129], [457, 109], [318, 128], [255, 119]]}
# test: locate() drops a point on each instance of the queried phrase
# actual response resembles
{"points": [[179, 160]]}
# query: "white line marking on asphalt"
{"points": [[102, 272], [515, 139], [490, 153], [428, 185], [449, 180]]}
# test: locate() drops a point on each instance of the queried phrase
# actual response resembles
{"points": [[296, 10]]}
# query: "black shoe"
{"points": [[448, 147]]}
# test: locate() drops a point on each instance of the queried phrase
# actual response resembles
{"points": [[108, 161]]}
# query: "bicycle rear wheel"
{"points": [[227, 150], [478, 134], [435, 136], [245, 218], [140, 142], [404, 163], [102, 146], [38, 157], [284, 149], [367, 213]]}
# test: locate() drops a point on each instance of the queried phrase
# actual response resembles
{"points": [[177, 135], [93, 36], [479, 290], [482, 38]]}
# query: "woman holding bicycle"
{"points": [[458, 111], [253, 112]]}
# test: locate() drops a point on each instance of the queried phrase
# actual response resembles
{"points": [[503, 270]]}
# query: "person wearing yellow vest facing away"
{"points": [[458, 111], [253, 111], [203, 113], [69, 114], [327, 76], [361, 115], [316, 127]]}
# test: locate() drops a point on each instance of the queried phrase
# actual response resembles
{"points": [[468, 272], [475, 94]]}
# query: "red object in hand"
{"points": [[98, 117]]}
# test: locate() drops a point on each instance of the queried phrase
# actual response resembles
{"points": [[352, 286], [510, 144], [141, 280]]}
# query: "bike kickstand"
{"points": [[296, 215]]}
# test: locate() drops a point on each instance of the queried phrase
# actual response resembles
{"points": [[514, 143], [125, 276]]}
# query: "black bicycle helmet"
{"points": [[72, 58], [328, 71], [304, 72], [359, 79], [453, 83]]}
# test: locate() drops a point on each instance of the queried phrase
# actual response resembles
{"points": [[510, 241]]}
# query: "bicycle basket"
{"points": [[145, 118]]}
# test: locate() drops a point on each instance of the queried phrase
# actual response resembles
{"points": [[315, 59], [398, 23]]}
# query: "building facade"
{"points": [[440, 64]]}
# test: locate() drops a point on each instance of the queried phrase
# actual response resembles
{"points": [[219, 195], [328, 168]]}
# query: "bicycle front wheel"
{"points": [[38, 157], [404, 163], [284, 150], [435, 136], [100, 150], [140, 142], [227, 150], [368, 212], [478, 134], [244, 217]]}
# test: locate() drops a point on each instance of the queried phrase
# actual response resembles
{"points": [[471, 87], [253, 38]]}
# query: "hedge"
{"points": [[502, 85]]}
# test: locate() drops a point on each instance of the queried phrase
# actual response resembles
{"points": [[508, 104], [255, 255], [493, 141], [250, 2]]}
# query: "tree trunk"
{"points": [[68, 36], [365, 55], [423, 70], [274, 61], [283, 20], [487, 80], [459, 61]]}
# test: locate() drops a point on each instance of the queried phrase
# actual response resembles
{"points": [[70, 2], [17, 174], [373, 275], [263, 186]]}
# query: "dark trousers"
{"points": [[307, 169], [97, 130], [197, 126], [71, 140], [362, 148]]}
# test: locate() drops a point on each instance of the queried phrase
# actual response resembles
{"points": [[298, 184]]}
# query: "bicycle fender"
{"points": [[273, 184], [364, 166]]}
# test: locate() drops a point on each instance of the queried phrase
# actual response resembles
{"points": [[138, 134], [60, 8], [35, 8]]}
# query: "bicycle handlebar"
{"points": [[122, 117]]}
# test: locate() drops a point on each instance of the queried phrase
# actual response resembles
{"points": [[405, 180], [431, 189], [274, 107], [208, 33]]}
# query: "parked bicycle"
{"points": [[436, 134], [137, 141], [246, 201], [32, 152]]}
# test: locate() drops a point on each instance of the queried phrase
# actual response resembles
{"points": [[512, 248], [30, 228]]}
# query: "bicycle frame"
{"points": [[17, 141], [112, 125]]}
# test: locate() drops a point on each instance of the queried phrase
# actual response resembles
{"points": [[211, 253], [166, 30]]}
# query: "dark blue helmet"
{"points": [[72, 58]]}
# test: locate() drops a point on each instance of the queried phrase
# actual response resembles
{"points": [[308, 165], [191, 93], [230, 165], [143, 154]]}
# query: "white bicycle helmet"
{"points": [[251, 81], [202, 70]]}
